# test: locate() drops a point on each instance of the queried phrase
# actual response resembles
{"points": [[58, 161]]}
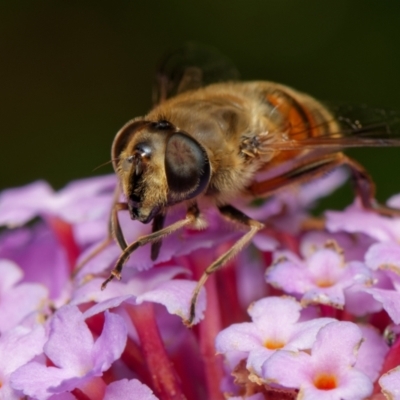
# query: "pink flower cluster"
{"points": [[323, 301]]}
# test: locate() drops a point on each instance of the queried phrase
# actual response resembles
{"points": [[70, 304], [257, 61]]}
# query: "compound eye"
{"points": [[186, 166]]}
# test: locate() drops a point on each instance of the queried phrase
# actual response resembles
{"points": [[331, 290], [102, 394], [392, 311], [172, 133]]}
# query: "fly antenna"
{"points": [[106, 163]]}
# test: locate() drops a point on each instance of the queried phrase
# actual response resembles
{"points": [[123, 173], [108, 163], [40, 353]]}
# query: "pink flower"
{"points": [[18, 300], [132, 390], [275, 326], [355, 219], [390, 384], [81, 203], [76, 357], [372, 352], [384, 255], [384, 258], [17, 347], [62, 338], [41, 257], [328, 371], [321, 278]]}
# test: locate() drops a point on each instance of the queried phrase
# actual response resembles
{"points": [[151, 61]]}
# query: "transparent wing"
{"points": [[191, 67], [360, 126]]}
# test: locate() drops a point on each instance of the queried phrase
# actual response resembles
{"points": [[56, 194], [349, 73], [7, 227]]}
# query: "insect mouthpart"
{"points": [[133, 206], [136, 213]]}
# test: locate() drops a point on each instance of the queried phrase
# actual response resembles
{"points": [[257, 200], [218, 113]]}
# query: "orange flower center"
{"points": [[273, 344], [325, 382], [324, 283]]}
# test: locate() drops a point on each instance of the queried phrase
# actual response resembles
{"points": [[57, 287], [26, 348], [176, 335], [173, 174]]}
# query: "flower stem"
{"points": [[91, 390], [208, 330], [166, 383], [65, 236], [133, 358]]}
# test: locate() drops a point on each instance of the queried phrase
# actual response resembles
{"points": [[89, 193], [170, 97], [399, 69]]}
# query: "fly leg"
{"points": [[115, 230], [192, 215], [365, 189], [311, 169], [114, 233], [232, 214], [299, 174]]}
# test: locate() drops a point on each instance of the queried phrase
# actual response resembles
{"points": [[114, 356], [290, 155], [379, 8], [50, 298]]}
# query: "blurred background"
{"points": [[73, 72]]}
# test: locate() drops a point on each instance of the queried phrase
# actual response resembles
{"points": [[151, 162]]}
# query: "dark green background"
{"points": [[73, 72]]}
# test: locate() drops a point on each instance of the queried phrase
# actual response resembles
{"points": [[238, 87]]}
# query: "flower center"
{"points": [[273, 344], [324, 283], [325, 382]]}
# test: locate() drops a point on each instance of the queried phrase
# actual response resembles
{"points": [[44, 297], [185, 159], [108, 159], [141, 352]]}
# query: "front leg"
{"points": [[191, 218], [232, 214], [114, 232]]}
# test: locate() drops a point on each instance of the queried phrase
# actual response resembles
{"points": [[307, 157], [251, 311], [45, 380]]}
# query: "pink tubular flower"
{"points": [[372, 352], [382, 256], [18, 300], [17, 347], [390, 384], [76, 357], [36, 251], [275, 326], [132, 390], [63, 338], [81, 201], [321, 279], [355, 219], [328, 372]]}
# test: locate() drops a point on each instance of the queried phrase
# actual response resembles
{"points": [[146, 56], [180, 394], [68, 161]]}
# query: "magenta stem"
{"points": [[166, 383]]}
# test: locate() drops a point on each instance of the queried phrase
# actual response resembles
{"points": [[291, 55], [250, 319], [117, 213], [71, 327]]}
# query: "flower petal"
{"points": [[390, 300], [111, 343], [390, 384], [355, 219], [371, 353], [132, 390], [19, 205], [384, 256], [176, 295], [70, 340]]}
